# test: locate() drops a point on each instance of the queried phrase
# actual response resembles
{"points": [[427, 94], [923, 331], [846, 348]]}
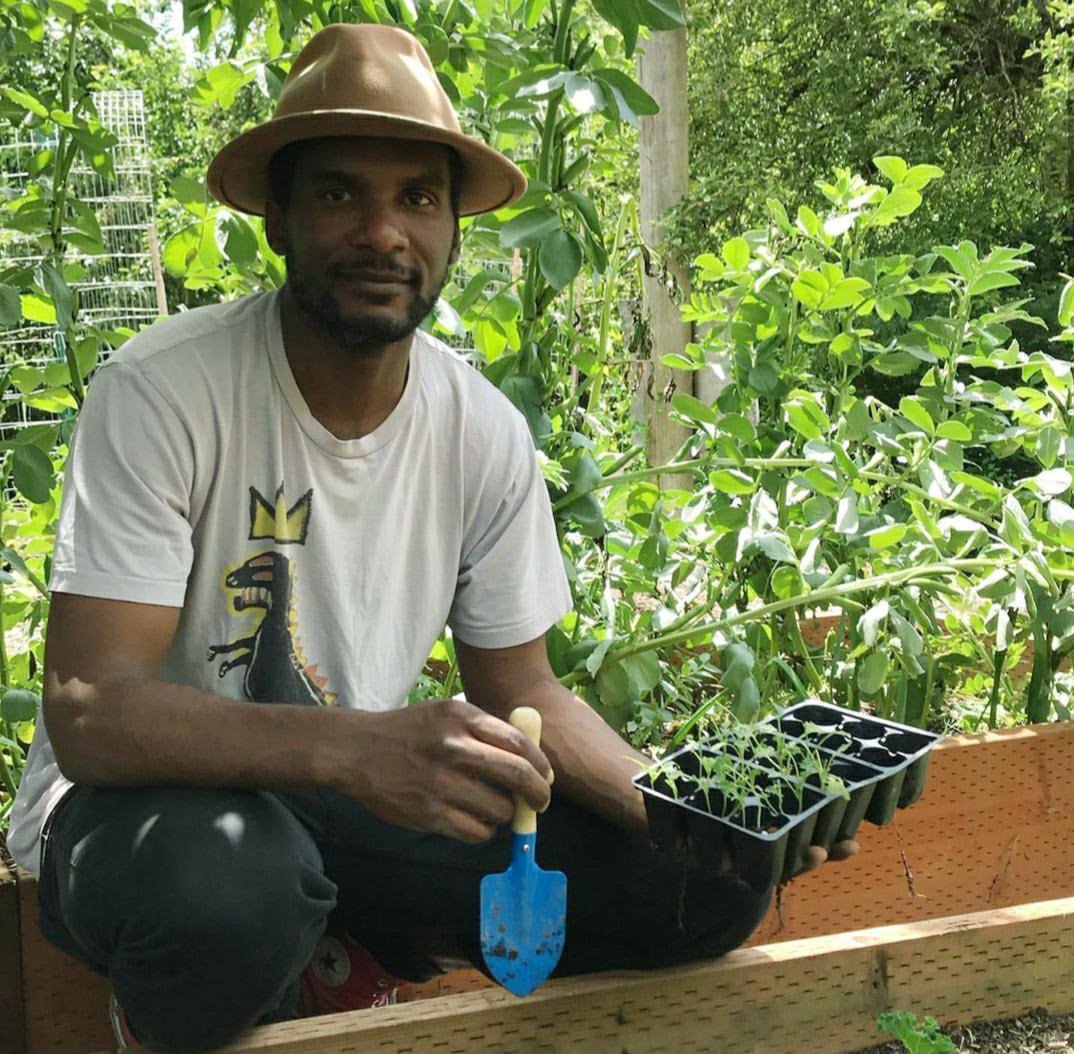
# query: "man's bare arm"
{"points": [[445, 767]]}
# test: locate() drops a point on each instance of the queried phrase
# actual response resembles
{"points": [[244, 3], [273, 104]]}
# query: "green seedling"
{"points": [[917, 1037]]}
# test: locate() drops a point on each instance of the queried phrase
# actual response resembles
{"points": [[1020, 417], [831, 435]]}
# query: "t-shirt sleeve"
{"points": [[512, 586], [124, 530]]}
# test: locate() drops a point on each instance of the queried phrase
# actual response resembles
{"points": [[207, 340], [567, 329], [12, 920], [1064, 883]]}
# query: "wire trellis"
{"points": [[119, 289]]}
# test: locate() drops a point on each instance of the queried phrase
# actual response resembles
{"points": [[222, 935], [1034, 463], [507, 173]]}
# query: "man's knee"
{"points": [[202, 907]]}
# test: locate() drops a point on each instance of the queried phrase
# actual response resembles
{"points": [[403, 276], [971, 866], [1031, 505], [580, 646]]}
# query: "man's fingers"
{"points": [[499, 733]]}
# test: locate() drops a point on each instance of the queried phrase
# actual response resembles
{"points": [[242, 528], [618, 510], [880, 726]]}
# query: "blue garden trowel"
{"points": [[523, 910]]}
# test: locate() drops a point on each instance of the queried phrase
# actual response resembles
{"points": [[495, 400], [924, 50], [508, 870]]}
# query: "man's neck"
{"points": [[350, 393]]}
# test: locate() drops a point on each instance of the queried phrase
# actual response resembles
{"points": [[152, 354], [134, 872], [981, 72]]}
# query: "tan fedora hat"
{"points": [[362, 80]]}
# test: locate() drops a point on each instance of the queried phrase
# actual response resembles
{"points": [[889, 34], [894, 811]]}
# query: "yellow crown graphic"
{"points": [[286, 526]]}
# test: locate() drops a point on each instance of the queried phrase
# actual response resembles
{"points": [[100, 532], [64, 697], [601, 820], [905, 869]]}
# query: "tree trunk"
{"points": [[664, 175]]}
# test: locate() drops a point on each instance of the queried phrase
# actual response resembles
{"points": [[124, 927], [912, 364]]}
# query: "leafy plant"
{"points": [[922, 1037]]}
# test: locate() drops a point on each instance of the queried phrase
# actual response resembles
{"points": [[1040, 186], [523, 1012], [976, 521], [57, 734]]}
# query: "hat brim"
{"points": [[238, 175]]}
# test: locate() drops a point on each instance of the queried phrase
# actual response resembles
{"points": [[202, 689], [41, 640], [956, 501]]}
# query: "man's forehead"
{"points": [[359, 152]]}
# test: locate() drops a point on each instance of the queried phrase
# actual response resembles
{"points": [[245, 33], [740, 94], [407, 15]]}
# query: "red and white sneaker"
{"points": [[343, 976], [121, 1027]]}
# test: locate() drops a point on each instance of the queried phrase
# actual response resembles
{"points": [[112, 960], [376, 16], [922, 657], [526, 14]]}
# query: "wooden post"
{"points": [[664, 173]]}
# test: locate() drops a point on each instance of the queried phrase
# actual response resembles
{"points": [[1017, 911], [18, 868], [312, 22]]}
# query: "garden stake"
{"points": [[523, 910]]}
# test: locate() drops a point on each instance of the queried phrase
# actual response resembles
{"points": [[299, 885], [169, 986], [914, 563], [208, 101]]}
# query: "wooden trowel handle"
{"points": [[528, 721]]}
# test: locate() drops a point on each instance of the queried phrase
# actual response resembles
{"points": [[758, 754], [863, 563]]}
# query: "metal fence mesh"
{"points": [[118, 289]]}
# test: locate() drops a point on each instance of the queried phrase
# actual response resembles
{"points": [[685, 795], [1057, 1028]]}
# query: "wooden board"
{"points": [[11, 1018], [995, 827], [822, 994], [64, 1003]]}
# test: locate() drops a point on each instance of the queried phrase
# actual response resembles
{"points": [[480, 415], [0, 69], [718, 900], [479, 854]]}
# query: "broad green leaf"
{"points": [[529, 228], [10, 306], [920, 176], [731, 481], [987, 282], [805, 415], [560, 258], [846, 515], [960, 260], [764, 378], [616, 693], [241, 241], [776, 547], [1049, 441], [736, 253], [695, 409], [738, 426], [977, 483], [873, 672], [661, 14], [913, 409], [644, 672], [911, 641], [894, 168], [585, 474], [902, 201], [885, 537], [587, 513], [27, 101], [1051, 483], [63, 298], [955, 430], [630, 99], [625, 18], [787, 582], [849, 292], [810, 288], [37, 309], [1066, 303], [32, 473]]}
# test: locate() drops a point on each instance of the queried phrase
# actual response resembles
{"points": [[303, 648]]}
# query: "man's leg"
{"points": [[403, 894], [201, 906]]}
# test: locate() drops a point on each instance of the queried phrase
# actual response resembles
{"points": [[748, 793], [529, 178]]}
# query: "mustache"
{"points": [[374, 264]]}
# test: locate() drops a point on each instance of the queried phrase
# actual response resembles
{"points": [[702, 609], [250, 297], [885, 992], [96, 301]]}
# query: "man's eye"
{"points": [[420, 197], [335, 195]]}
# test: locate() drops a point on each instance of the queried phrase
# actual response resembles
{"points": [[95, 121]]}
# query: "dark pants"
{"points": [[203, 906]]}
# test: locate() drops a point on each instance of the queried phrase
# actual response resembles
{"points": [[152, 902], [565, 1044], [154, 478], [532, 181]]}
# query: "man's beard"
{"points": [[363, 334]]}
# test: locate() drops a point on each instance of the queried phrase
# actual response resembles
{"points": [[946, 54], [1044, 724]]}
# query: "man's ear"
{"points": [[456, 242], [274, 227]]}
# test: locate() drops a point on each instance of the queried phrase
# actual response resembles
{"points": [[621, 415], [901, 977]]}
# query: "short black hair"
{"points": [[283, 163]]}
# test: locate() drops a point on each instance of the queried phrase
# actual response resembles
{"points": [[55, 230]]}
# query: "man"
{"points": [[282, 500]]}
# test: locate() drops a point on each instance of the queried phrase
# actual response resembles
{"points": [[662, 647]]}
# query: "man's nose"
{"points": [[379, 228]]}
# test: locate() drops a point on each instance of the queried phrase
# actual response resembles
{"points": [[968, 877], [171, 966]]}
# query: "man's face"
{"points": [[369, 235]]}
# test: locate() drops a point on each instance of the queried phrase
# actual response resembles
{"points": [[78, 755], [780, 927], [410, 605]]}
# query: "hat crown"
{"points": [[369, 69]]}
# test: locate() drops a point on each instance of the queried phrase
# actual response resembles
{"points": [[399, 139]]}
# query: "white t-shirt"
{"points": [[309, 568]]}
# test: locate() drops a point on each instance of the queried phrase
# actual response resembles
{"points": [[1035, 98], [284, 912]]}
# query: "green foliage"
{"points": [[780, 93], [922, 1037]]}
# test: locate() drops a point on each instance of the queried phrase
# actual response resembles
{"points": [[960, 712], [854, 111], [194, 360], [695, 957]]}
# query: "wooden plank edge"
{"points": [[872, 953], [12, 1017]]}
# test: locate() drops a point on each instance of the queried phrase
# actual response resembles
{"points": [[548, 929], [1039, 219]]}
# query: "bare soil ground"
{"points": [[1036, 1033]]}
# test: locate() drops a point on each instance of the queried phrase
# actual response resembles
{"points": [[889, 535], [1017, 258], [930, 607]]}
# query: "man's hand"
{"points": [[446, 767]]}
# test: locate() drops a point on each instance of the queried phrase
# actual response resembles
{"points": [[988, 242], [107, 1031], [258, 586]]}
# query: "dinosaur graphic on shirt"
{"points": [[276, 669]]}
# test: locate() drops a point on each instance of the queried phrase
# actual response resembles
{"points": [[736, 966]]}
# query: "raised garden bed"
{"points": [[962, 908]]}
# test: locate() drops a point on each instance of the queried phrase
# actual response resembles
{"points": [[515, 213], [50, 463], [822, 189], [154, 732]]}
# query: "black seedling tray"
{"points": [[761, 845], [882, 764], [899, 752]]}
